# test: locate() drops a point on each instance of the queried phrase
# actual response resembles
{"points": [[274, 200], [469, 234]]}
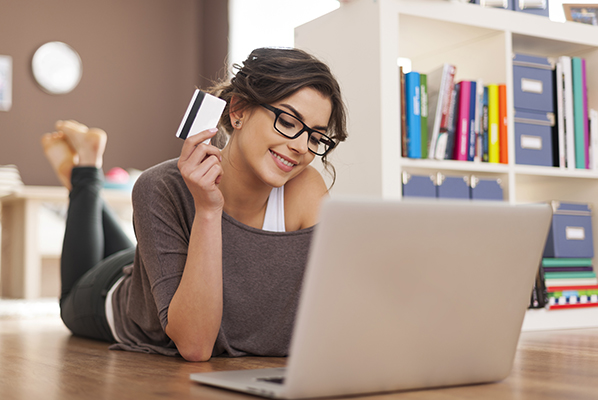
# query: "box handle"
{"points": [[532, 4], [531, 142], [575, 233], [532, 86]]}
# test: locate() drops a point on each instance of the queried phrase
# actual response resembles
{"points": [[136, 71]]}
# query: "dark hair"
{"points": [[272, 74]]}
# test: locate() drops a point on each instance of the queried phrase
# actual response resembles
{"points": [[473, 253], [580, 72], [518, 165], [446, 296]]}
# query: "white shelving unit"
{"points": [[362, 40]]}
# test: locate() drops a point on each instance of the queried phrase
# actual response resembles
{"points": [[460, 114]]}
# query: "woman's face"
{"points": [[271, 157]]}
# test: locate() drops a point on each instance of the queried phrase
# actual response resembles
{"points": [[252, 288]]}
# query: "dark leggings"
{"points": [[94, 252]]}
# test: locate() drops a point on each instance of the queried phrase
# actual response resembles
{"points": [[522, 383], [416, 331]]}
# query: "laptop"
{"points": [[402, 295]]}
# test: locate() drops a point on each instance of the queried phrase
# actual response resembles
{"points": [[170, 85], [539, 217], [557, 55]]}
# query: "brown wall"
{"points": [[141, 62]]}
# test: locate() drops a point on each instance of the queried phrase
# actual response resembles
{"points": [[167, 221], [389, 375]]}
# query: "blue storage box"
{"points": [[485, 189], [452, 187], [418, 185], [536, 7], [570, 234], [533, 83], [533, 138]]}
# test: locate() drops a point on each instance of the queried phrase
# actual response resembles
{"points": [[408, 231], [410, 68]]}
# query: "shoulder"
{"points": [[302, 197], [161, 183]]}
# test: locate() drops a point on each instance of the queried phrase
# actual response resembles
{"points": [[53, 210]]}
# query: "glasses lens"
{"points": [[290, 127]]}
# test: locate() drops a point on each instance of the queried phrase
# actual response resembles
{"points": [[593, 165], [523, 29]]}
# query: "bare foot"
{"points": [[88, 143], [61, 155]]}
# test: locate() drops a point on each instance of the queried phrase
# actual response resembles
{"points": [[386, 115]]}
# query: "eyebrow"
{"points": [[300, 116]]}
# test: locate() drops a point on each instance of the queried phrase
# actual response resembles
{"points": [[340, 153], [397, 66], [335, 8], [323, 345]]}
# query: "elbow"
{"points": [[195, 353], [192, 350]]}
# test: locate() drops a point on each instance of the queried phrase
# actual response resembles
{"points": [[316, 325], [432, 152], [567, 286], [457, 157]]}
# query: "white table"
{"points": [[21, 261]]}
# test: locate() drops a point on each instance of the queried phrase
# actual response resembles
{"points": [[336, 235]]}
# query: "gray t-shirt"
{"points": [[262, 274]]}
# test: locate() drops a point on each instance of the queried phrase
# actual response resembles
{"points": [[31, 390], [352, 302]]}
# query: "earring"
{"points": [[237, 124]]}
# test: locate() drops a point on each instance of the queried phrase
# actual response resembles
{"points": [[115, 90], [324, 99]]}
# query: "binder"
{"points": [[493, 130], [413, 108], [462, 131]]}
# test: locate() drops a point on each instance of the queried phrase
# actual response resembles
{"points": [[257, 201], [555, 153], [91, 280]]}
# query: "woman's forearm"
{"points": [[195, 312]]}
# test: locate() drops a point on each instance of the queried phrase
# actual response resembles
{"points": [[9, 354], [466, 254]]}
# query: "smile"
{"points": [[282, 160]]}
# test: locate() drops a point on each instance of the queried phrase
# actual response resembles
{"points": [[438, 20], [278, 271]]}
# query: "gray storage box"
{"points": [[533, 83], [570, 234], [533, 138]]}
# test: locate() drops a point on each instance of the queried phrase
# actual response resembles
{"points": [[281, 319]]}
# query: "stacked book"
{"points": [[570, 282], [448, 120], [10, 179]]}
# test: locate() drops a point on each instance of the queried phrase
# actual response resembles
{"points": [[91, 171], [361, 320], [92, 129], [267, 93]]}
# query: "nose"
{"points": [[300, 144]]}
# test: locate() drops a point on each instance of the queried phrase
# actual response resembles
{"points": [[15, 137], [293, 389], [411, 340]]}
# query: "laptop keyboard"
{"points": [[277, 379]]}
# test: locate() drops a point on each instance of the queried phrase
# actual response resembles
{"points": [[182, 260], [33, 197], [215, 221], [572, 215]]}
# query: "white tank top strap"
{"points": [[274, 218]]}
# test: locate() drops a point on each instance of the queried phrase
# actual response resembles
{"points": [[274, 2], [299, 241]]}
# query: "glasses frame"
{"points": [[277, 112]]}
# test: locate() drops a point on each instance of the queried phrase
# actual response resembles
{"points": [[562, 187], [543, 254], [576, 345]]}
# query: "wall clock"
{"points": [[56, 67]]}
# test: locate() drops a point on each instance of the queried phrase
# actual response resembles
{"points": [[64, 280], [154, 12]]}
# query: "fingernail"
{"points": [[213, 130]]}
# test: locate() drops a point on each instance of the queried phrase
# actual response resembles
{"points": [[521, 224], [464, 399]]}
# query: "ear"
{"points": [[237, 112]]}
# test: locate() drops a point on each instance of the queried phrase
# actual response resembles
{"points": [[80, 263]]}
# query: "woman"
{"points": [[222, 235]]}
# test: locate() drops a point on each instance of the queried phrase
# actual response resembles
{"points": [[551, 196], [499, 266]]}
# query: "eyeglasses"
{"points": [[292, 127]]}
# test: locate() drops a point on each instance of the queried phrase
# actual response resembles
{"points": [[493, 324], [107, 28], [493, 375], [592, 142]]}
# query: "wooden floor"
{"points": [[39, 359]]}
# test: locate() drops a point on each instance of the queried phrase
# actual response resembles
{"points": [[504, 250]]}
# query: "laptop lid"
{"points": [[408, 294]]}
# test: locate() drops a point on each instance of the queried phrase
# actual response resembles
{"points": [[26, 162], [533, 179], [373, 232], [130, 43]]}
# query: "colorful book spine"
{"points": [[462, 132], [578, 114], [423, 93], [565, 62], [479, 115], [485, 125], [568, 275], [586, 133], [502, 125], [449, 143], [493, 130], [566, 262], [574, 296], [471, 142], [413, 109], [404, 138], [560, 116]]}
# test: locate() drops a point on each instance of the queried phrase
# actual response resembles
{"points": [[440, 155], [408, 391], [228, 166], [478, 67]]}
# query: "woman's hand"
{"points": [[200, 166]]}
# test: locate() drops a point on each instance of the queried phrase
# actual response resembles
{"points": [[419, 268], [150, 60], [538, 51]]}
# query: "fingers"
{"points": [[195, 143]]}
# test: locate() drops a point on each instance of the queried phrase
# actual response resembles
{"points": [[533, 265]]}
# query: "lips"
{"points": [[283, 163]]}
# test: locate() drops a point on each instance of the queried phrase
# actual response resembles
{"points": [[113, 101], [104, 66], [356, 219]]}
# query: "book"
{"points": [[423, 93], [560, 117], [449, 145], [584, 90], [404, 139], [568, 275], [440, 86], [570, 282], [565, 62], [502, 125], [485, 125], [569, 269], [462, 131], [578, 113], [413, 108], [571, 296], [479, 115], [493, 130], [566, 262], [593, 129], [471, 141]]}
